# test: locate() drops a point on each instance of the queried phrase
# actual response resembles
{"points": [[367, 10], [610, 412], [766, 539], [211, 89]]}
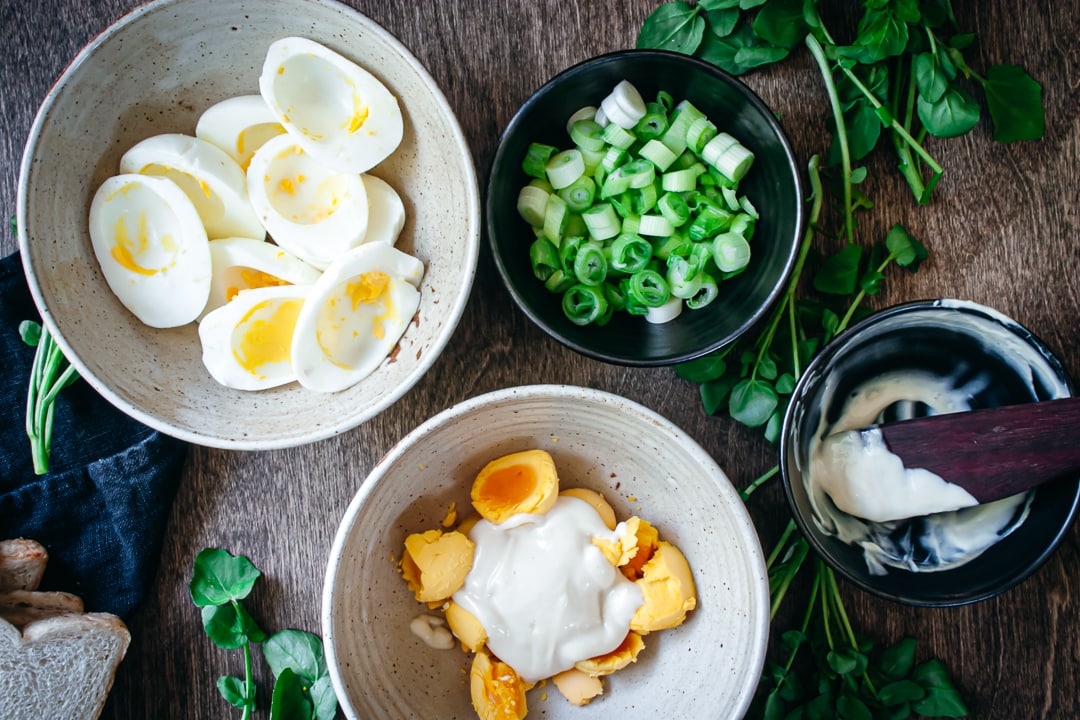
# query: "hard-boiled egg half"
{"points": [[181, 232], [152, 248], [335, 109], [354, 316], [239, 126], [247, 342], [244, 264], [208, 176]]}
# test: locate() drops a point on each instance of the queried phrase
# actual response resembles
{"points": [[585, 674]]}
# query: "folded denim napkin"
{"points": [[101, 509]]}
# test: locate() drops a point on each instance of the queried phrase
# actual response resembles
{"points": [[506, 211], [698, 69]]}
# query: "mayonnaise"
{"points": [[545, 594]]}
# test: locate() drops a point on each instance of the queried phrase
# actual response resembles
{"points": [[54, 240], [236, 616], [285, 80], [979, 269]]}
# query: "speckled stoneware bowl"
{"points": [[155, 71], [708, 667], [993, 361]]}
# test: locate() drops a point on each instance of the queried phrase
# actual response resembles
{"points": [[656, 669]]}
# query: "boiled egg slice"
{"points": [[211, 179], [311, 210], [239, 126], [246, 343], [386, 212], [337, 111], [152, 248], [354, 316], [244, 264]]}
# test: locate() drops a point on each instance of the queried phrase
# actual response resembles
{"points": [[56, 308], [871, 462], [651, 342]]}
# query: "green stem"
{"points": [[799, 551], [841, 132], [859, 298], [780, 544], [761, 480], [249, 699]]}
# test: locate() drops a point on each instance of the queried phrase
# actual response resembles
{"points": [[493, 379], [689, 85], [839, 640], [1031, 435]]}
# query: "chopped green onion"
{"points": [[588, 135], [653, 123], [584, 304], [655, 225], [556, 214], [531, 204], [735, 162], [710, 220], [658, 154], [565, 167], [630, 253], [536, 160], [706, 293], [666, 312], [590, 265], [674, 209], [579, 195], [618, 137], [544, 258], [586, 113], [742, 224], [683, 279], [613, 158], [615, 294], [731, 252], [700, 132], [643, 199], [649, 288], [601, 221], [716, 147], [748, 207], [559, 282], [623, 106], [681, 180]]}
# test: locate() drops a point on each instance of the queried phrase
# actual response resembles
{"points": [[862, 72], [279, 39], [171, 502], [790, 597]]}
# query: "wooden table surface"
{"points": [[1003, 230]]}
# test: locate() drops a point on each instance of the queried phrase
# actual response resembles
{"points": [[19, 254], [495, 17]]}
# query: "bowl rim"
{"points": [[776, 128], [747, 530], [455, 308], [838, 344]]}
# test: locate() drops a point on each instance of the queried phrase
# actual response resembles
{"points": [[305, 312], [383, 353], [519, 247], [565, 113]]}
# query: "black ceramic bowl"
{"points": [[773, 185], [993, 361]]}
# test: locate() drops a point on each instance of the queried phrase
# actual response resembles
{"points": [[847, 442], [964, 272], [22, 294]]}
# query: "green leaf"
{"points": [[714, 393], [905, 249], [870, 282], [722, 22], [839, 274], [897, 660], [702, 369], [324, 699], [219, 577], [739, 52], [952, 115], [821, 708], [1015, 103], [233, 690], [941, 703], [230, 626], [841, 663], [930, 78], [780, 23], [775, 709], [711, 5], [933, 674], [792, 640], [767, 367], [936, 13], [773, 426], [288, 702], [785, 384], [881, 35], [30, 332], [900, 692], [296, 650], [849, 707], [752, 402], [749, 4], [674, 26]]}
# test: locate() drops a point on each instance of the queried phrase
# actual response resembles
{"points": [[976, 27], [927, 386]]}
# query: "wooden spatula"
{"points": [[996, 452]]}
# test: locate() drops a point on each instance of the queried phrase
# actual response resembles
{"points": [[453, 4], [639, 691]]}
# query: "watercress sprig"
{"points": [[49, 374], [302, 688]]}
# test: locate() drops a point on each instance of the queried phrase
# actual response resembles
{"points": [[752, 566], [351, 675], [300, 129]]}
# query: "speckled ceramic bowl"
{"points": [[990, 360], [708, 667], [155, 71]]}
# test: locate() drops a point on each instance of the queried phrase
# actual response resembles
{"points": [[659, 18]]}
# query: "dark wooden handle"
{"points": [[996, 452]]}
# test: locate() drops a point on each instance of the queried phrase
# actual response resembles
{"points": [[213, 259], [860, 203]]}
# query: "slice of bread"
{"points": [[20, 607], [22, 563], [60, 667]]}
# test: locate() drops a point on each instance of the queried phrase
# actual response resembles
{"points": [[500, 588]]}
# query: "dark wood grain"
{"points": [[1003, 230]]}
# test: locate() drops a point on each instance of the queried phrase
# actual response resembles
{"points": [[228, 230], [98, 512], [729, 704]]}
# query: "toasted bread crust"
{"points": [[22, 563]]}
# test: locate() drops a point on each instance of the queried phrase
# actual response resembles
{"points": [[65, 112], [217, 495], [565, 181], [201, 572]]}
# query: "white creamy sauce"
{"points": [[546, 595], [862, 493], [433, 631]]}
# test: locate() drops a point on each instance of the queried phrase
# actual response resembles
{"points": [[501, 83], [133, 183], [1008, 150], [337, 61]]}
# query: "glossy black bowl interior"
{"points": [[924, 335], [773, 185]]}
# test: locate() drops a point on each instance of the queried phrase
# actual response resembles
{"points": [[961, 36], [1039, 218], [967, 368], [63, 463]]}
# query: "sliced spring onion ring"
{"points": [[565, 167]]}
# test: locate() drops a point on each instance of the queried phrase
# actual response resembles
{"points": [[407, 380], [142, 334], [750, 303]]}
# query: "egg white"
{"points": [[386, 211], [247, 342], [351, 321], [152, 248], [244, 264], [239, 126], [311, 210], [211, 179], [336, 110]]}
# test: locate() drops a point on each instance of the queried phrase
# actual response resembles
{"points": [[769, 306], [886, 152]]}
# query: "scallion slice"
{"points": [[565, 167], [536, 160], [602, 222], [531, 204]]}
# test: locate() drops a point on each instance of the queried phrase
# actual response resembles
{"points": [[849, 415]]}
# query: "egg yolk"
{"points": [[497, 691], [359, 115], [367, 288], [435, 563], [251, 278], [125, 251], [524, 482], [617, 659], [265, 335], [668, 589]]}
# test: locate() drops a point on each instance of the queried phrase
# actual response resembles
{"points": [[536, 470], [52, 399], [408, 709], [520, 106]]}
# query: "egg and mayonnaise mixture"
{"points": [[543, 583], [181, 233]]}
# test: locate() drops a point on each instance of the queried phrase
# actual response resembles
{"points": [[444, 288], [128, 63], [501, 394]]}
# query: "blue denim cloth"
{"points": [[101, 509]]}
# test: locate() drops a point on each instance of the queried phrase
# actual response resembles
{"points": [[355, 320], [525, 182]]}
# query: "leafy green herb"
{"points": [[302, 689], [49, 374]]}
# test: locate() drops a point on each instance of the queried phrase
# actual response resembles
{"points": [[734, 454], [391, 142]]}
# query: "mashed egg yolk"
{"points": [[523, 482], [577, 687], [668, 588], [497, 691], [617, 659], [435, 563]]}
